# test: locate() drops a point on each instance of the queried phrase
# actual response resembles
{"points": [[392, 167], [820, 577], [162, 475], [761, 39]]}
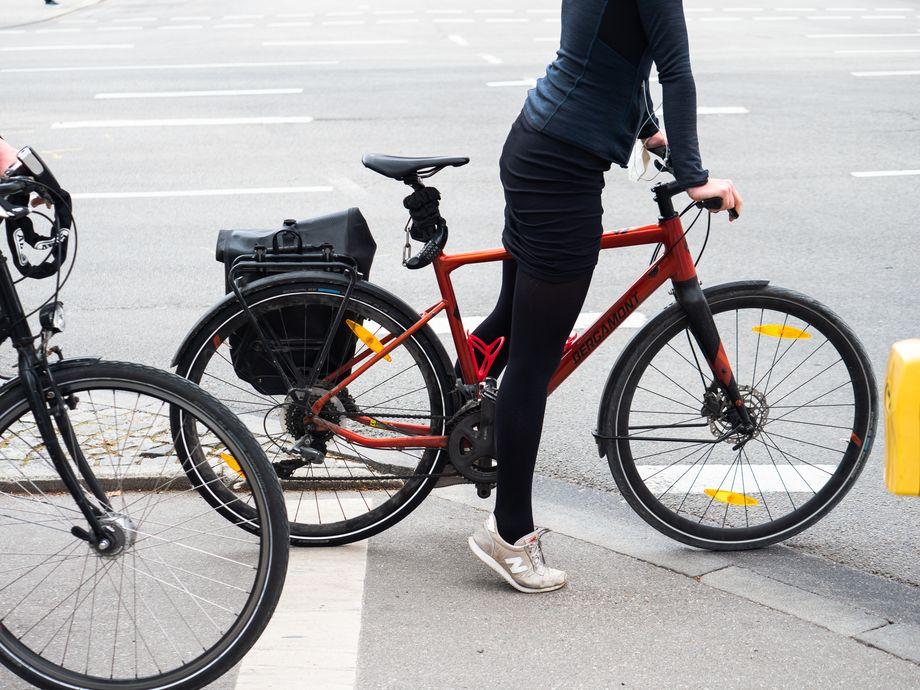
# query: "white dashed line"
{"points": [[889, 73], [195, 94], [886, 173], [459, 40], [180, 27], [877, 51], [169, 194], [201, 65], [237, 26], [183, 122], [356, 42], [724, 110], [491, 59], [78, 46], [913, 35], [514, 82], [407, 20]]}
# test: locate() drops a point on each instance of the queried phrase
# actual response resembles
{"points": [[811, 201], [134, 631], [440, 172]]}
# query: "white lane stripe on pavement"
{"points": [[889, 73], [441, 326], [353, 42], [75, 46], [183, 122], [192, 94], [757, 478], [171, 194], [312, 639], [877, 51], [722, 110], [886, 173], [913, 35], [198, 65]]}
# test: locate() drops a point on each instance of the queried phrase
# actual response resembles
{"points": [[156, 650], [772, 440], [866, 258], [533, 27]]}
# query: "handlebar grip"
{"points": [[733, 214], [715, 203]]}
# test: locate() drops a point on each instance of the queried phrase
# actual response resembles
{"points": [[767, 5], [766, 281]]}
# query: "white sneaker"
{"points": [[521, 564]]}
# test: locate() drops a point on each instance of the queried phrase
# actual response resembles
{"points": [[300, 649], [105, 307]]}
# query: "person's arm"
{"points": [[666, 29], [7, 155]]}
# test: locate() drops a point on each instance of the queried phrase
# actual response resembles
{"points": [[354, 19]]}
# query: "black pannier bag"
{"points": [[297, 330]]}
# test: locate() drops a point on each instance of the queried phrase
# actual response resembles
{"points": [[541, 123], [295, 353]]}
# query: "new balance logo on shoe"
{"points": [[517, 564]]}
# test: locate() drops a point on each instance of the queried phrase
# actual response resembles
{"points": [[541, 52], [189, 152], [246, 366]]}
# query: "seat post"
{"points": [[414, 181]]}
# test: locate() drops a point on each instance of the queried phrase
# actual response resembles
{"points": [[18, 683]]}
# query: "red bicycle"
{"points": [[737, 417]]}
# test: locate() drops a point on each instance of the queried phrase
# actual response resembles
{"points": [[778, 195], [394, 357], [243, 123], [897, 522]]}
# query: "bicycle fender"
{"points": [[617, 371]]}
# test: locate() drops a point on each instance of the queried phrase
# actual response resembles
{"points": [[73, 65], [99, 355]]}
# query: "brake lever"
{"points": [[12, 211]]}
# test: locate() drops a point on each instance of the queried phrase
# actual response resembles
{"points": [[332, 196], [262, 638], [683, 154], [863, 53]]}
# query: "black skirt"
{"points": [[553, 205]]}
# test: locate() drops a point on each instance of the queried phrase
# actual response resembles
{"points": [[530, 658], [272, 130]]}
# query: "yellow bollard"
{"points": [[902, 414]]}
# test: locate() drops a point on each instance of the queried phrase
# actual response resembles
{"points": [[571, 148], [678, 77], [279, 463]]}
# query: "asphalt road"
{"points": [[814, 93]]}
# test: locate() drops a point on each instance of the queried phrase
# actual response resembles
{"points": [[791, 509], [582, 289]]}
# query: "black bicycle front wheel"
{"points": [[184, 594], [682, 465]]}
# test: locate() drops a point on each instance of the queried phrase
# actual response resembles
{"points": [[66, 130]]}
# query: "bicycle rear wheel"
{"points": [[186, 593], [350, 492], [809, 387]]}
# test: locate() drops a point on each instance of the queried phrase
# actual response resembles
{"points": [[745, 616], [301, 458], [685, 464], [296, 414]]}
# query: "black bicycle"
{"points": [[115, 573]]}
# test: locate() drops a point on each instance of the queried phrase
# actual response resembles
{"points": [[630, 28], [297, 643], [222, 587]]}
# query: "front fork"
{"points": [[690, 297], [47, 404]]}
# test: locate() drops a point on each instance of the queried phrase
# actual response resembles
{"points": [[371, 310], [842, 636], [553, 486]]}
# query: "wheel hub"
{"points": [[722, 418], [120, 535]]}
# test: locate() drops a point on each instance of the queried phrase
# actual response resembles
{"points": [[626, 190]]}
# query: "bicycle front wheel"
{"points": [[675, 454], [184, 593]]}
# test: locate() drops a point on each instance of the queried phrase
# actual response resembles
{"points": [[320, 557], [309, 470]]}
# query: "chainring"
{"points": [[471, 447]]}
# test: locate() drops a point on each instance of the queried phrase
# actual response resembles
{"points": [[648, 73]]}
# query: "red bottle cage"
{"points": [[487, 353]]}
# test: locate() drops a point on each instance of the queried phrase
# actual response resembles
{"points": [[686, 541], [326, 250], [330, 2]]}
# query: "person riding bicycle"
{"points": [[7, 155], [586, 113]]}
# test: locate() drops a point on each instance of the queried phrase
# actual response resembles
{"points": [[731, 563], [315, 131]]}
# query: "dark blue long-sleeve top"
{"points": [[595, 94]]}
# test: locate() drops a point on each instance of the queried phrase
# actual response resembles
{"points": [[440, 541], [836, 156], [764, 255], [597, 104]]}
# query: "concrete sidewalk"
{"points": [[15, 13], [640, 610]]}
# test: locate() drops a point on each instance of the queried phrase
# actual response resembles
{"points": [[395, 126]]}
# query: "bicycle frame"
{"points": [[676, 264]]}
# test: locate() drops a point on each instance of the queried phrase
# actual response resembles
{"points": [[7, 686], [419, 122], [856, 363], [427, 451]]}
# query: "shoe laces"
{"points": [[535, 550]]}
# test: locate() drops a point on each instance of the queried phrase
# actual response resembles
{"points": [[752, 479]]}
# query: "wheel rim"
{"points": [[786, 356], [177, 595], [354, 489]]}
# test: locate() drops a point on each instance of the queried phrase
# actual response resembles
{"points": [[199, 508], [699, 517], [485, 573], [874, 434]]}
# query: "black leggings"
{"points": [[536, 317]]}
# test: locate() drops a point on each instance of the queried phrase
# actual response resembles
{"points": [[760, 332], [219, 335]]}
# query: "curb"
{"points": [[80, 5]]}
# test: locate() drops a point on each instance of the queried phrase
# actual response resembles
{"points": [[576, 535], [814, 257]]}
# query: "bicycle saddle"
{"points": [[399, 167]]}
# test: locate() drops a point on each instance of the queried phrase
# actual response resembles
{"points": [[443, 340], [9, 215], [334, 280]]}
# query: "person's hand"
{"points": [[7, 156], [656, 140], [724, 189]]}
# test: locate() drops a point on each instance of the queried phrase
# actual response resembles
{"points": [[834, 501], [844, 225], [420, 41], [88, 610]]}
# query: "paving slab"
{"points": [[900, 639]]}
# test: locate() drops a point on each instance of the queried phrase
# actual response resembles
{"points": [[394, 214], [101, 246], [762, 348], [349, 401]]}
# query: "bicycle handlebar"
{"points": [[32, 175]]}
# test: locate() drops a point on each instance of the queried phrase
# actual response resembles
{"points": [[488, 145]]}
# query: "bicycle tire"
{"points": [[614, 414], [199, 348], [86, 375]]}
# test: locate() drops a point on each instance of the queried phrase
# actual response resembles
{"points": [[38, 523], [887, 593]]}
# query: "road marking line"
{"points": [[189, 19], [200, 65], [180, 27], [491, 59], [192, 94], [287, 24], [723, 110], [875, 51], [770, 479], [775, 19], [458, 20], [120, 28], [171, 194], [459, 40], [183, 122], [76, 46], [391, 12], [58, 31], [883, 16], [244, 16], [886, 173], [743, 9], [720, 19], [135, 19], [914, 35], [356, 42], [506, 20], [296, 15], [441, 326], [237, 26], [346, 13], [847, 9], [79, 21], [889, 73], [11, 31], [344, 22], [323, 591], [493, 11], [514, 82], [444, 11], [408, 20], [831, 17]]}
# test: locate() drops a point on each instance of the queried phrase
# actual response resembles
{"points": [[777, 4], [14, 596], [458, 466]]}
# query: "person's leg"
{"points": [[498, 324], [544, 314]]}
